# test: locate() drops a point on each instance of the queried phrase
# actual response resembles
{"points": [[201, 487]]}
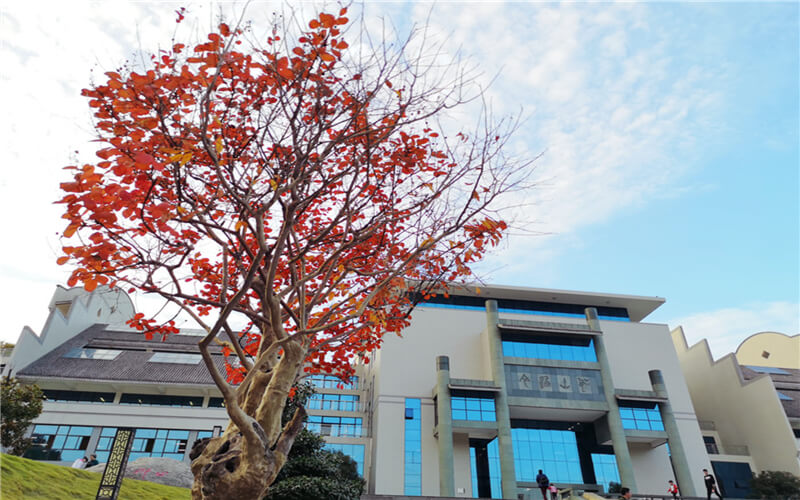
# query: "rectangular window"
{"points": [[354, 451], [160, 400], [216, 402], [334, 426], [167, 443], [331, 382], [338, 402], [412, 483], [640, 415], [711, 445], [605, 469], [68, 442], [78, 396], [565, 348], [471, 405], [86, 353], [175, 357]]}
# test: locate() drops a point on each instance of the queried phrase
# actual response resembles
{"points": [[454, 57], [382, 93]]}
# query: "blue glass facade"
{"points": [[472, 408], [605, 469], [354, 451], [412, 481], [493, 454], [554, 451], [644, 419], [331, 382], [340, 402], [167, 443], [70, 441], [541, 350], [335, 426]]}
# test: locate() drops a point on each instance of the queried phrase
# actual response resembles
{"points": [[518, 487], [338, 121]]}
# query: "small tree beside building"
{"points": [[20, 405]]}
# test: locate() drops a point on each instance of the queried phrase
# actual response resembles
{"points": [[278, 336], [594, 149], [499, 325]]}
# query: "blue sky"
{"points": [[669, 131]]}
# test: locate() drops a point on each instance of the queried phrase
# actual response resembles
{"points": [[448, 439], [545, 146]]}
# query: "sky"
{"points": [[668, 132]]}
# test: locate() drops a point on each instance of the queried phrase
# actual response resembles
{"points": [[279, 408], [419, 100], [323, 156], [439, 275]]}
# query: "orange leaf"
{"points": [[314, 24], [327, 20], [62, 260], [70, 230]]}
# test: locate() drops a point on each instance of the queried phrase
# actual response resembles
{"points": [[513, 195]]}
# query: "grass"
{"points": [[21, 478]]}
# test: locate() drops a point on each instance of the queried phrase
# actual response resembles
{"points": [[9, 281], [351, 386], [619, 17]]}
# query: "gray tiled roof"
{"points": [[787, 384], [131, 365]]}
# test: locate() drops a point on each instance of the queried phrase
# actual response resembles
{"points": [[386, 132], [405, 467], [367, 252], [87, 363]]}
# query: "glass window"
{"points": [[467, 405], [160, 400], [768, 369], [412, 483], [216, 402], [354, 451], [605, 469], [334, 426], [332, 382], [78, 396], [175, 357], [553, 451], [339, 402], [86, 353], [167, 443], [68, 441], [640, 415], [541, 348]]}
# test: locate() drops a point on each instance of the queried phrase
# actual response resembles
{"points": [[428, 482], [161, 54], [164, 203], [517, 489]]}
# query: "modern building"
{"points": [[484, 388], [747, 404]]}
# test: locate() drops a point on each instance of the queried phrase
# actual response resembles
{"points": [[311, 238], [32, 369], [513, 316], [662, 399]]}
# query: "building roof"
{"points": [[786, 382], [132, 364], [638, 307]]}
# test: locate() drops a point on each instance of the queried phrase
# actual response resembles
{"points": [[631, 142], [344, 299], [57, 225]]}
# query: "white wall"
{"points": [[652, 468], [745, 412]]}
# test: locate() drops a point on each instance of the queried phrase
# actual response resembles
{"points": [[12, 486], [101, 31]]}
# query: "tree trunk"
{"points": [[221, 471]]}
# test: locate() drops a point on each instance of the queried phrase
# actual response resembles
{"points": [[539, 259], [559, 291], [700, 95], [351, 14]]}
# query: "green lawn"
{"points": [[28, 479]]}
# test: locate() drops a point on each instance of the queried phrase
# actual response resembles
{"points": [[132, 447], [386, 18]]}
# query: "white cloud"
{"points": [[726, 328]]}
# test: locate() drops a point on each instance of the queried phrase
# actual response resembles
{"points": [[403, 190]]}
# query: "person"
{"points": [[711, 485], [92, 462], [553, 491], [543, 482], [79, 463], [625, 493], [672, 488]]}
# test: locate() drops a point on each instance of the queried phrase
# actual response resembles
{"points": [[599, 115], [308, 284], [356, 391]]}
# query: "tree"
{"points": [[779, 485], [21, 404], [305, 190], [313, 472]]}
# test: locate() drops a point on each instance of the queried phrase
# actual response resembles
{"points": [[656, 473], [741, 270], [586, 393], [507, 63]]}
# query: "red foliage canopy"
{"points": [[289, 184]]}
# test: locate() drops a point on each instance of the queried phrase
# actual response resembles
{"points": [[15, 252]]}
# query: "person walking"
{"points": [[543, 482], [673, 489], [553, 491], [625, 493], [711, 484]]}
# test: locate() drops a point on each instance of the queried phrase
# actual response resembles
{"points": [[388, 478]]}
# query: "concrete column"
{"points": [[505, 446], [447, 482], [677, 453], [618, 441]]}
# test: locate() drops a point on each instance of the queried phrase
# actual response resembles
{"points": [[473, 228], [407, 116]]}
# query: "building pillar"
{"points": [[447, 483], [676, 450], [618, 440], [505, 445]]}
